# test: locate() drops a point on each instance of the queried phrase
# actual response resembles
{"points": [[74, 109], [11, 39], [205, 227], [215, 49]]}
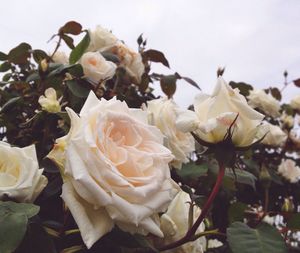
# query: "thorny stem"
{"points": [[57, 46], [266, 204], [190, 235]]}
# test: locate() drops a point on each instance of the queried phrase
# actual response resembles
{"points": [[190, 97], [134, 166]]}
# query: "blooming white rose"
{"points": [[269, 219], [214, 115], [20, 176], [289, 170], [115, 170], [96, 67], [274, 137], [101, 38], [49, 102], [129, 59], [162, 113], [295, 102], [266, 102], [174, 224], [60, 57], [287, 120]]}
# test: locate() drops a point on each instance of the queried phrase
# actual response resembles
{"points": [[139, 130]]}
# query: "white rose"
{"points": [[49, 102], [101, 38], [214, 115], [129, 59], [287, 120], [20, 176], [174, 224], [295, 138], [266, 102], [60, 57], [96, 67], [214, 243], [269, 220], [295, 102], [289, 170], [115, 170], [162, 113], [274, 137]]}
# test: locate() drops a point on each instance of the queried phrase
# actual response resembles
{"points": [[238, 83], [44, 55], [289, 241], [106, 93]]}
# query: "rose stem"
{"points": [[191, 232]]}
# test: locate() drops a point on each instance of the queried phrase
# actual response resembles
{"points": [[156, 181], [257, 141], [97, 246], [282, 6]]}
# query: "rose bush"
{"points": [[115, 170]]}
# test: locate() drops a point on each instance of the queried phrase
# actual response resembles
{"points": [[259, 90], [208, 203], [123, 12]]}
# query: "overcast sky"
{"points": [[256, 39]]}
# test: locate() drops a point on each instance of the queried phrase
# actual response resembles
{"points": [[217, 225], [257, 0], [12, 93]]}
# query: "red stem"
{"points": [[191, 232]]}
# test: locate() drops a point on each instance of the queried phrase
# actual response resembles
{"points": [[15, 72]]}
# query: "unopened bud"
{"points": [[44, 65], [288, 205], [265, 177]]}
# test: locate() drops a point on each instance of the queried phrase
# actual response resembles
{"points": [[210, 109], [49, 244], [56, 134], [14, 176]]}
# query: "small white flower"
{"points": [[275, 136], [214, 243], [295, 102], [289, 170], [49, 102], [96, 67], [266, 102]]}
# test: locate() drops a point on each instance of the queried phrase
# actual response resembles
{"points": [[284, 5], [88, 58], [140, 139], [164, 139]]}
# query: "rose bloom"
{"points": [[115, 170], [96, 68], [49, 102], [214, 115], [60, 57], [101, 38], [289, 170], [266, 102], [129, 59], [174, 224], [20, 176], [287, 120], [162, 113], [274, 137], [295, 102]]}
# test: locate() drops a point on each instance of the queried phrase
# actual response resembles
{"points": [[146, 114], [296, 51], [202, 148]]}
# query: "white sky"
{"points": [[256, 40]]}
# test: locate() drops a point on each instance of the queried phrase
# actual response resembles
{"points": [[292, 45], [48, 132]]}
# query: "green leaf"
{"points": [[79, 50], [241, 176], [33, 77], [168, 84], [71, 27], [264, 239], [5, 66], [39, 55], [12, 230], [294, 221], [10, 104], [3, 56], [275, 92], [6, 77], [29, 210], [20, 54], [243, 87], [68, 40], [156, 56], [236, 212], [77, 89], [190, 81], [111, 57], [190, 171]]}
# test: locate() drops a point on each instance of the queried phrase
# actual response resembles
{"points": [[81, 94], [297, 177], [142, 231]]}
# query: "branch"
{"points": [[190, 235]]}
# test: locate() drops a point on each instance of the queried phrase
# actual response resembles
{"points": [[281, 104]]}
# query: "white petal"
{"points": [[92, 223]]}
